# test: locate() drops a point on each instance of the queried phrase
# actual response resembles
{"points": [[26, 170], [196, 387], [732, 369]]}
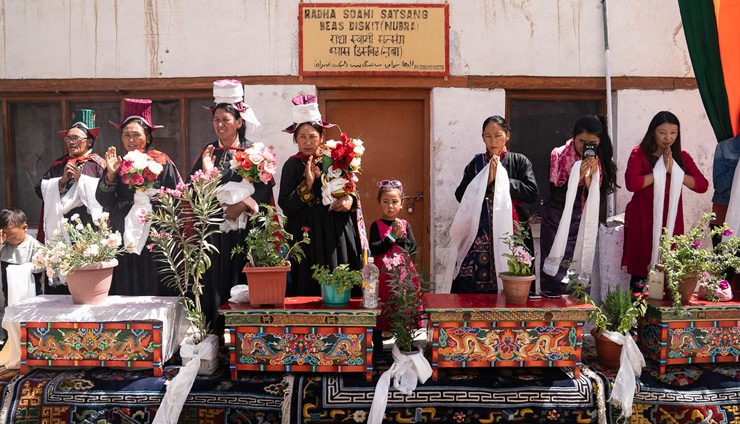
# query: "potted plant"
{"points": [[268, 251], [336, 284], [182, 224], [84, 255], [684, 259], [518, 280]]}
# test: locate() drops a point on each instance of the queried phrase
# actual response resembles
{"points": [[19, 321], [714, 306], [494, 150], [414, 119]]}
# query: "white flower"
{"points": [[331, 144], [113, 240], [358, 142], [155, 167], [57, 232], [92, 250], [104, 216], [355, 163], [79, 227], [75, 217]]}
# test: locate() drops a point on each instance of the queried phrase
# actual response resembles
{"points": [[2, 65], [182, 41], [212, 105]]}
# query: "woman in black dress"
{"points": [[333, 227]]}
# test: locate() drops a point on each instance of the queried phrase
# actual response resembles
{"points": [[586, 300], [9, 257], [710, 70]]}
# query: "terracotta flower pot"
{"points": [[686, 289], [90, 284], [609, 352], [516, 289], [266, 284]]}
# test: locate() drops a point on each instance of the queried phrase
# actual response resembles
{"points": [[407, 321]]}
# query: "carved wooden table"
{"points": [[125, 331], [710, 332], [473, 330], [302, 335]]}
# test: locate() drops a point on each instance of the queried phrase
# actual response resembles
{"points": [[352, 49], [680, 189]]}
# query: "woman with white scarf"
{"points": [[571, 212], [508, 175], [656, 170]]}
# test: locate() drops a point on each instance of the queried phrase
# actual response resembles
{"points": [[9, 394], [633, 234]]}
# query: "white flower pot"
{"points": [[207, 350]]}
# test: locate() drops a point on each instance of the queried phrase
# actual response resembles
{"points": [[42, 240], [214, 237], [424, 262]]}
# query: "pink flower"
{"points": [[727, 232], [150, 247], [142, 216], [724, 285], [522, 255], [136, 179], [696, 244], [265, 177], [125, 167]]}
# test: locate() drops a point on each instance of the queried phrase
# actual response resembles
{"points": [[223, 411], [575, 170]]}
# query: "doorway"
{"points": [[394, 126]]}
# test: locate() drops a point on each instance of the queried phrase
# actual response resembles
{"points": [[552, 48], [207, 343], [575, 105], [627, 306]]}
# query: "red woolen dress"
{"points": [[639, 213]]}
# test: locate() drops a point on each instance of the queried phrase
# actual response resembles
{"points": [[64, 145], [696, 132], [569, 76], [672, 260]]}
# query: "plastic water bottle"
{"points": [[370, 275]]}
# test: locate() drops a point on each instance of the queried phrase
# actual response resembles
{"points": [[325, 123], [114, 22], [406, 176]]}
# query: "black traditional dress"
{"points": [[91, 165], [225, 271], [136, 274], [334, 237], [478, 271]]}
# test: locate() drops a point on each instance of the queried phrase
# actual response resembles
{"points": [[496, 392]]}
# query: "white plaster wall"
{"points": [[189, 38], [635, 108], [456, 138]]}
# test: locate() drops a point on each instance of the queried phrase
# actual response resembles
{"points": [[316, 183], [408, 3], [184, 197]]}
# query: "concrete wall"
{"points": [[186, 38]]}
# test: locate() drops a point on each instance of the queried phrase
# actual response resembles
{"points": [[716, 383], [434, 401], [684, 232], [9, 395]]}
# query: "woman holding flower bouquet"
{"points": [[126, 190], [68, 186], [247, 171], [318, 191], [508, 174]]}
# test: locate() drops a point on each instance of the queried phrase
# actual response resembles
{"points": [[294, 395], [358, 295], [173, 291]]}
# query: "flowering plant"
{"points": [[79, 245], [520, 259], [684, 256], [267, 243], [713, 288], [182, 225], [404, 308], [340, 163], [139, 170], [342, 277], [257, 163]]}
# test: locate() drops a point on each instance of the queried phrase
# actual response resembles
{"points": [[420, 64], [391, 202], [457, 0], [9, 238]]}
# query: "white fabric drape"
{"points": [[733, 208], [232, 193], [330, 186], [135, 232], [583, 255], [659, 181], [631, 363], [405, 372], [21, 284], [464, 226], [55, 205]]}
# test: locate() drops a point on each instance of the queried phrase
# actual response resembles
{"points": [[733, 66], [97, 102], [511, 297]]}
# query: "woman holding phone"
{"points": [[590, 144], [656, 168]]}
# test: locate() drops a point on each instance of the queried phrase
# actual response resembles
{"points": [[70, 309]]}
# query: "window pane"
{"points": [[167, 139], [33, 132], [538, 126], [104, 112], [200, 128], [3, 192]]}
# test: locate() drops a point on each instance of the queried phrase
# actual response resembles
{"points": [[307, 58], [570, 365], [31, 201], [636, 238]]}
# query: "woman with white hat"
{"points": [[231, 120]]}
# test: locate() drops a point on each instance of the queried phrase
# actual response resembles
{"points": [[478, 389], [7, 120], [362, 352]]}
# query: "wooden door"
{"points": [[394, 126]]}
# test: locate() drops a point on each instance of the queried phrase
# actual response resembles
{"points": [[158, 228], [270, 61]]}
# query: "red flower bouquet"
{"points": [[257, 163], [139, 170], [340, 164]]}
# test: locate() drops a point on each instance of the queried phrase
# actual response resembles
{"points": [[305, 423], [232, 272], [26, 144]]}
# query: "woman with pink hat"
{"points": [[68, 186], [126, 190], [231, 119], [332, 227]]}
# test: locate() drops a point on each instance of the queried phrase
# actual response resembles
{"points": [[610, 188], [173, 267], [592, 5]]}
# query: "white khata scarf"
{"points": [[55, 205], [659, 180], [467, 218], [583, 255]]}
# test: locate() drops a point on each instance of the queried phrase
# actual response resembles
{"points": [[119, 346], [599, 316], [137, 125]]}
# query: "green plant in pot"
{"points": [[685, 258], [336, 284], [268, 251]]}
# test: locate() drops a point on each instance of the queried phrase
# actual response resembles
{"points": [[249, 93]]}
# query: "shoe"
{"points": [[549, 294]]}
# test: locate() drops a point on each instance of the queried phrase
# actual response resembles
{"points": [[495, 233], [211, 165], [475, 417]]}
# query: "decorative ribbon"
{"points": [[659, 180], [631, 363], [135, 233], [405, 371], [179, 387], [583, 255], [232, 193], [733, 208]]}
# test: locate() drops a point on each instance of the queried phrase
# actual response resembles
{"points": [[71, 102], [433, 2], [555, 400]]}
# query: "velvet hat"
{"points": [[137, 108], [232, 92], [86, 118], [305, 109]]}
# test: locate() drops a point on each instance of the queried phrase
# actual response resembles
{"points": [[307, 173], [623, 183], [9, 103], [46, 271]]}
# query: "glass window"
{"points": [[168, 139], [538, 126], [104, 111], [200, 129], [33, 132], [3, 191]]}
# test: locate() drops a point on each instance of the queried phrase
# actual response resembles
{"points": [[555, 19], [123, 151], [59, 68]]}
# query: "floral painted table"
{"points": [[474, 330], [124, 331], [710, 332], [302, 335]]}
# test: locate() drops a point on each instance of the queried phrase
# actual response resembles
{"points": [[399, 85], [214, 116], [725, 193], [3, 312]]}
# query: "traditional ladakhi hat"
{"points": [[86, 118], [232, 92], [305, 109], [137, 108]]}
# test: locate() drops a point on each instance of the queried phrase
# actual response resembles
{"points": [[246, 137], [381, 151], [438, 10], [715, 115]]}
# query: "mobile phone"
{"points": [[589, 150]]}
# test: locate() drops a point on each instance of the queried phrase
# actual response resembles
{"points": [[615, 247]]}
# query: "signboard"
{"points": [[378, 39]]}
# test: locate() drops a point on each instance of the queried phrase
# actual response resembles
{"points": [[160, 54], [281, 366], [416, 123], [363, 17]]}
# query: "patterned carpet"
{"points": [[686, 394]]}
